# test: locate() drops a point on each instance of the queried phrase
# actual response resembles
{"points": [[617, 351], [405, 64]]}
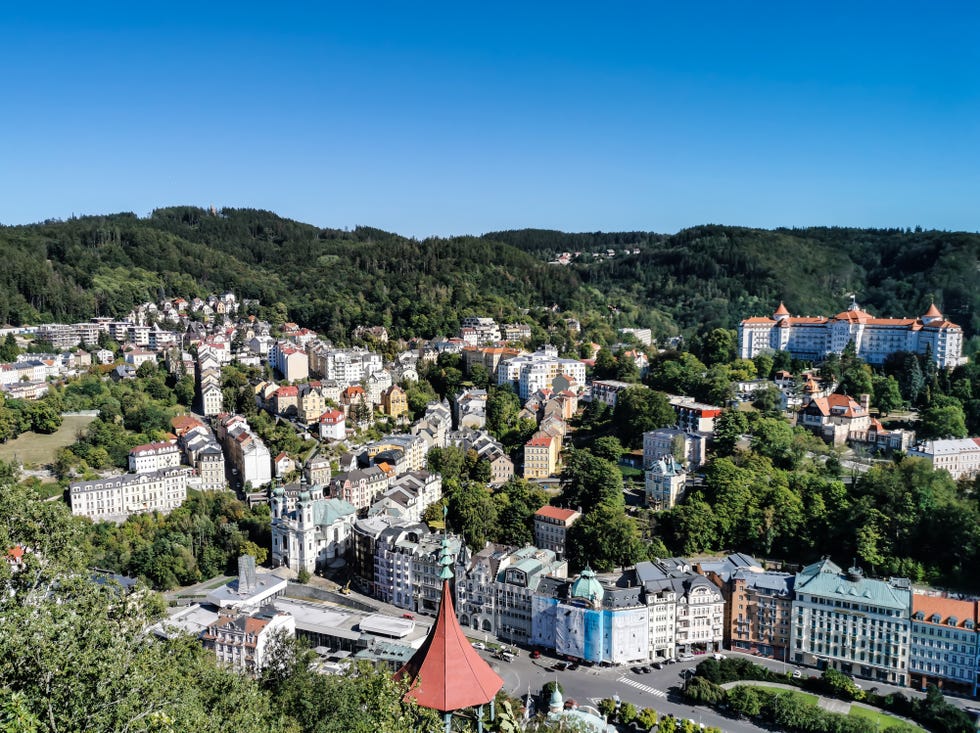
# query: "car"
{"points": [[685, 657], [409, 616], [718, 656], [657, 665], [560, 666], [479, 645], [670, 661], [536, 654], [797, 673], [636, 670], [645, 670], [572, 667]]}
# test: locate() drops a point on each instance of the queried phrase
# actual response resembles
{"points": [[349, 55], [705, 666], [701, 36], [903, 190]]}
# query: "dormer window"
{"points": [[952, 620], [935, 618]]}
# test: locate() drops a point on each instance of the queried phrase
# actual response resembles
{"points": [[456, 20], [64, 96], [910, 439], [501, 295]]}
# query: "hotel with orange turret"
{"points": [[813, 338]]}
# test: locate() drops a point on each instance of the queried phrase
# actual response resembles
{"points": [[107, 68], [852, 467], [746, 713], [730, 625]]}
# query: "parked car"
{"points": [[572, 667], [645, 670], [479, 645], [657, 665], [718, 656], [536, 654], [560, 666], [797, 673], [637, 670], [409, 616]]}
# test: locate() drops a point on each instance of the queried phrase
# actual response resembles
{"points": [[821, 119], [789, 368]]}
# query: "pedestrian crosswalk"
{"points": [[641, 686]]}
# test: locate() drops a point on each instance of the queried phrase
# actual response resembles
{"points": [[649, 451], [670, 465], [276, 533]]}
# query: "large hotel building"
{"points": [[813, 338]]}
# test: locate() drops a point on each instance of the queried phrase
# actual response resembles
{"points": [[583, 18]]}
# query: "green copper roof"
{"points": [[587, 587], [827, 580]]}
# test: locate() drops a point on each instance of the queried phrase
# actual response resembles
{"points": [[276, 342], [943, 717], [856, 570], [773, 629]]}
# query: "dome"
{"points": [[586, 587], [304, 496], [279, 491], [556, 702]]}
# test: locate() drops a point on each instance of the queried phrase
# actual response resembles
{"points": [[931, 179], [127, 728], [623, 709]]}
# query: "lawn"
{"points": [[882, 719], [33, 449], [803, 698]]}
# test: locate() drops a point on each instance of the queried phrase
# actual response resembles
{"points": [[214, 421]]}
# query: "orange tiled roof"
{"points": [[554, 512], [945, 608]]}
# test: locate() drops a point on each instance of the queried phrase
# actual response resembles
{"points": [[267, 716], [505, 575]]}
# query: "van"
{"points": [[507, 656]]}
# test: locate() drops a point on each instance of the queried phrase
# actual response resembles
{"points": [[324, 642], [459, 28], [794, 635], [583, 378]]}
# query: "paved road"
{"points": [[659, 689]]}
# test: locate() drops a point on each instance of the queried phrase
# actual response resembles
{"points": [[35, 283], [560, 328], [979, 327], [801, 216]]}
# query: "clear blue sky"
{"points": [[430, 118]]}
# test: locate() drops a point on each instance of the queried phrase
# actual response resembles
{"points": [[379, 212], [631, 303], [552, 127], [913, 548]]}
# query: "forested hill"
{"points": [[333, 280]]}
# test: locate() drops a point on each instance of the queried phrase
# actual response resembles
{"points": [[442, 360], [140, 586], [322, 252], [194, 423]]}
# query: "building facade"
{"points": [[117, 497], [551, 524], [874, 339], [314, 533], [853, 624]]}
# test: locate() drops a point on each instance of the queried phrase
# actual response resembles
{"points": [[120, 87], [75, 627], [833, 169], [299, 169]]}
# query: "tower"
{"points": [[446, 673]]}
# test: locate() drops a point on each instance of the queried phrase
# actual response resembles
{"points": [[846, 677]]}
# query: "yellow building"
{"points": [[394, 401], [541, 456]]}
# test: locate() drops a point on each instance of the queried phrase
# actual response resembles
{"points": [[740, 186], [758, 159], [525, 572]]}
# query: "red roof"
{"points": [[554, 512], [781, 310], [540, 440], [446, 672], [933, 312], [332, 416], [945, 608], [288, 391]]}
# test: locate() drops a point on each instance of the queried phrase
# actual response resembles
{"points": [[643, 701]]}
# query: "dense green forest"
{"points": [[333, 280]]}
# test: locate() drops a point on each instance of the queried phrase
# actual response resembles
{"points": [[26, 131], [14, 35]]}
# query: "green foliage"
{"points": [[74, 655], [588, 481], [942, 421], [604, 538], [639, 410], [730, 425], [199, 540], [703, 691]]}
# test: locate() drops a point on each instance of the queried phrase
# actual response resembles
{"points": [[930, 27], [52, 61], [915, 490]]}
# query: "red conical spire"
{"points": [[446, 672], [781, 310]]}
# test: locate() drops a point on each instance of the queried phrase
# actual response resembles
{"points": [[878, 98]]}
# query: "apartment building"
{"points": [[551, 524]]}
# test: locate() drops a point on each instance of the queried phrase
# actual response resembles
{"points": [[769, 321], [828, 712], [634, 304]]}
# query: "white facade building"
{"points": [[153, 456], [812, 339], [116, 497], [313, 534], [959, 456]]}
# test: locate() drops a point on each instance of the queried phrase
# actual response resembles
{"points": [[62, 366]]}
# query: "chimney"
{"points": [[865, 400]]}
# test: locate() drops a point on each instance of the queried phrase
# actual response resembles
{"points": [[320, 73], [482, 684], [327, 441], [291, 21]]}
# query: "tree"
{"points": [[887, 395], [502, 408], [9, 350], [764, 363], [44, 417], [744, 700], [719, 346], [607, 447], [639, 410], [773, 437], [588, 481], [943, 421], [605, 364], [730, 425], [604, 539], [768, 400]]}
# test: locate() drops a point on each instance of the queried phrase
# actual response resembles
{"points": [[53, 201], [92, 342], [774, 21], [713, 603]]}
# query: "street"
{"points": [[658, 689]]}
